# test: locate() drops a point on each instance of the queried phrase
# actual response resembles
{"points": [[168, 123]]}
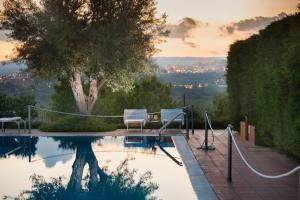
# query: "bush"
{"points": [[148, 93], [221, 111], [77, 124], [16, 104]]}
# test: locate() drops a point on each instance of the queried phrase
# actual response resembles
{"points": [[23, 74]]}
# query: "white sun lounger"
{"points": [[168, 114], [17, 120], [133, 116]]}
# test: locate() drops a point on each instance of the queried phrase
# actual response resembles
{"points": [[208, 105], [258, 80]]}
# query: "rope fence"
{"points": [[86, 115], [43, 116], [232, 139], [230, 134]]}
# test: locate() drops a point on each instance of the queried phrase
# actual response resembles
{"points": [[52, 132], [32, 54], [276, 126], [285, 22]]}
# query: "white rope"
{"points": [[254, 170], [78, 114], [208, 120], [87, 115]]}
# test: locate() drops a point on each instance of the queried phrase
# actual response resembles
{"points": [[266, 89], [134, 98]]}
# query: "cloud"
{"points": [[191, 44], [253, 24], [183, 28]]}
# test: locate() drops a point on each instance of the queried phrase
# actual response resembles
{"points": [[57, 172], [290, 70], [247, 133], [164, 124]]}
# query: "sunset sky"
{"points": [[208, 27]]}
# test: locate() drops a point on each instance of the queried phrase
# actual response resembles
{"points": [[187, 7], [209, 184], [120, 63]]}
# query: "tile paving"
{"points": [[245, 184]]}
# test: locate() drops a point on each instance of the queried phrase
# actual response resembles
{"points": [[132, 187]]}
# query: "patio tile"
{"points": [[245, 184]]}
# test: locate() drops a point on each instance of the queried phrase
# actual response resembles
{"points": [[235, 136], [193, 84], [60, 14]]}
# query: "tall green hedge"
{"points": [[263, 78]]}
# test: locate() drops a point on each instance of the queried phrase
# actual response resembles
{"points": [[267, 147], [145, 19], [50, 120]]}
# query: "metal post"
{"points": [[206, 132], [29, 148], [229, 167], [192, 113], [29, 118], [299, 184], [187, 124]]}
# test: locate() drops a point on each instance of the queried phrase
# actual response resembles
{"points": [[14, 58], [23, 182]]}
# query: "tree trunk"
{"points": [[85, 155], [93, 167], [77, 169], [85, 103]]}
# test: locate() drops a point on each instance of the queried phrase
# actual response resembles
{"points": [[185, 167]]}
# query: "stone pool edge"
{"points": [[200, 184]]}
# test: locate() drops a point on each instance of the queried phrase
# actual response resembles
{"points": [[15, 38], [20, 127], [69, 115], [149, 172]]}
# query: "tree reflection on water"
{"points": [[100, 183]]}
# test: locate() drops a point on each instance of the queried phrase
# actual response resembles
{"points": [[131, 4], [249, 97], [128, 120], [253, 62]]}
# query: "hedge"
{"points": [[263, 78]]}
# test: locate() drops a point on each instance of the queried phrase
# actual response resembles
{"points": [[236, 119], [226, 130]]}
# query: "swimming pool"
{"points": [[132, 167]]}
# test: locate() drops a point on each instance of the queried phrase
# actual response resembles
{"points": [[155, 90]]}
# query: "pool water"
{"points": [[92, 168]]}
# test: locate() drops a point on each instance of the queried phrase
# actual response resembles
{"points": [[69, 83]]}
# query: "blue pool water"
{"points": [[92, 168]]}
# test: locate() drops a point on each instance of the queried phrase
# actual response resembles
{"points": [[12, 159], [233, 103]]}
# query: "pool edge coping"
{"points": [[200, 184]]}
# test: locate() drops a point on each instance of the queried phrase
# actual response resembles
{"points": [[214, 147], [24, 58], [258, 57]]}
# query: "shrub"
{"points": [[77, 124], [16, 104]]}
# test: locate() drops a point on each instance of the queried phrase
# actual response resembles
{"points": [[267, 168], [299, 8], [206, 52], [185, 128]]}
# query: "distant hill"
{"points": [[190, 61], [162, 62], [11, 68]]}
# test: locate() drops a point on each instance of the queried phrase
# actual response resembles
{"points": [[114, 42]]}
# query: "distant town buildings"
{"points": [[192, 69], [16, 78]]}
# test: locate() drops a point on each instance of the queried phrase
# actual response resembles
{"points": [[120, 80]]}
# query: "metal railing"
{"points": [[186, 111]]}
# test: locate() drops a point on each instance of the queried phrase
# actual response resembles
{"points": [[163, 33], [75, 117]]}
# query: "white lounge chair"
{"points": [[17, 120], [169, 114], [134, 116]]}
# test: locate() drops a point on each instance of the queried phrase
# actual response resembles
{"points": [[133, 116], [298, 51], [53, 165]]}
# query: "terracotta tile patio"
{"points": [[245, 184]]}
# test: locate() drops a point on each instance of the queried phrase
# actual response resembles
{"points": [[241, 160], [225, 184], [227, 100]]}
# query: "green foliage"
{"points": [[65, 123], [119, 184], [17, 105], [148, 92], [62, 99], [221, 111], [263, 83]]}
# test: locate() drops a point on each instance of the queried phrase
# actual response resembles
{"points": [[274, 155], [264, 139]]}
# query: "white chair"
{"points": [[134, 116], [169, 114], [17, 120]]}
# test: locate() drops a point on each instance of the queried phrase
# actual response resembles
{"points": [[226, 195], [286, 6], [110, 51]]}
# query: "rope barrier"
{"points": [[254, 170], [87, 115], [209, 123]]}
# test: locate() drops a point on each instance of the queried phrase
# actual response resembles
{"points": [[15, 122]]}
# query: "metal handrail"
{"points": [[169, 122]]}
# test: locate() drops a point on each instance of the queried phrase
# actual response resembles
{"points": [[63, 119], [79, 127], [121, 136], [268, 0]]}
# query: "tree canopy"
{"points": [[98, 41]]}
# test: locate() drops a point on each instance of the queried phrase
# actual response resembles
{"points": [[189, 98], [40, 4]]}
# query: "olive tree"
{"points": [[91, 43]]}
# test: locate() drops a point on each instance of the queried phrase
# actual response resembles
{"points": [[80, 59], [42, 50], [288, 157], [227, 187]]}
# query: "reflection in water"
{"points": [[18, 146], [49, 145], [98, 184]]}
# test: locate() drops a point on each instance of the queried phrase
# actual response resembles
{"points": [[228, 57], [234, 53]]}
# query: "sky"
{"points": [[206, 28]]}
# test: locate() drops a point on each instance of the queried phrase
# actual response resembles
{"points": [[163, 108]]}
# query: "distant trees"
{"points": [[148, 92], [15, 104], [91, 43], [263, 80]]}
